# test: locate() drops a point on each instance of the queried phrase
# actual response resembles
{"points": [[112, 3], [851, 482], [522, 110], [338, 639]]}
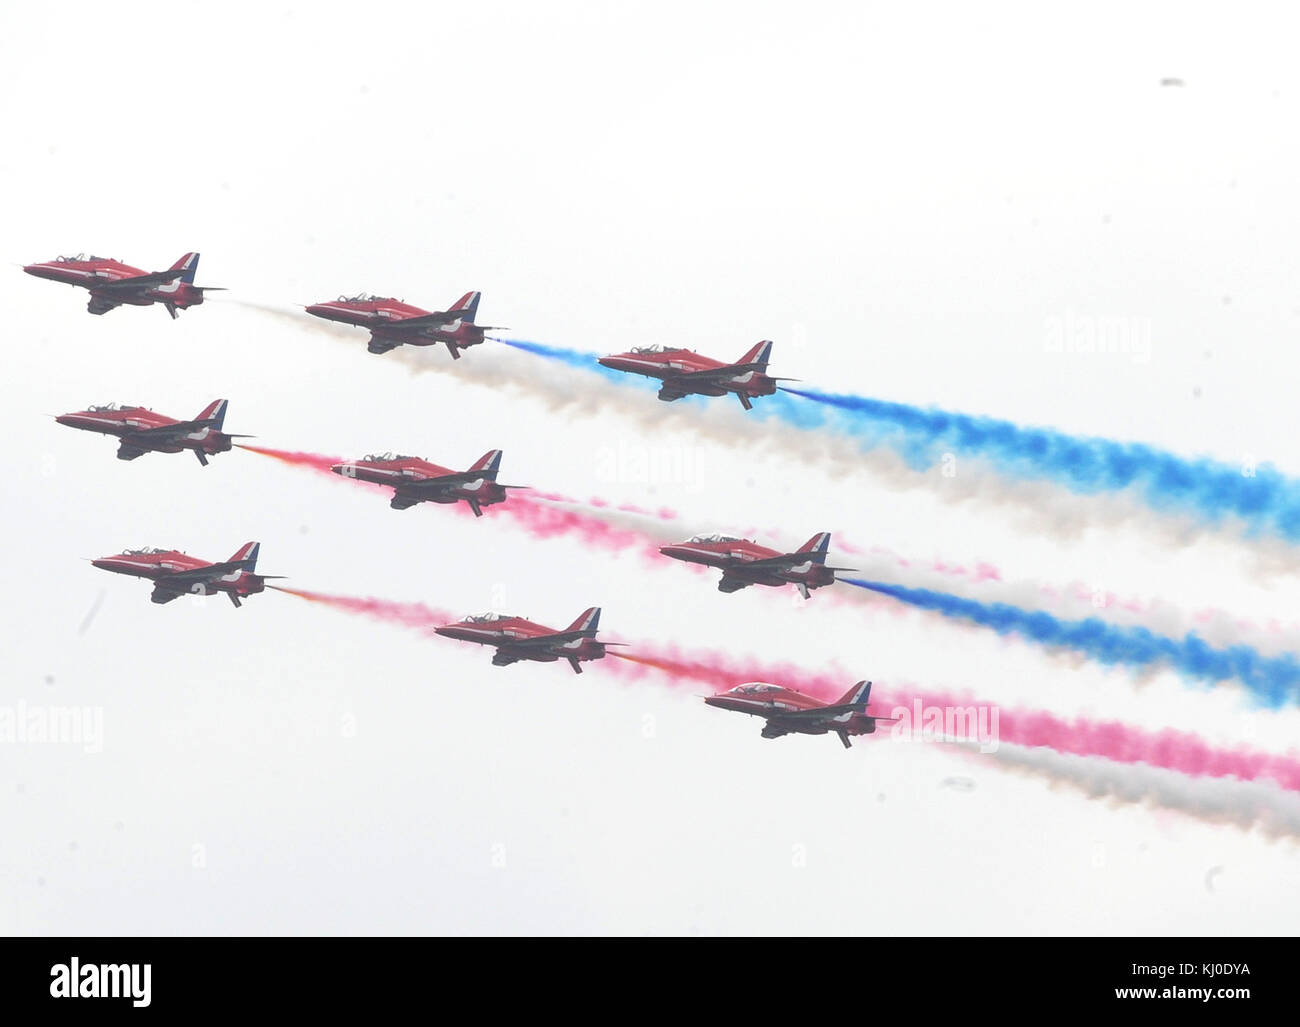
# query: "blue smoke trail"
{"points": [[587, 362], [571, 358], [1268, 501], [1273, 680]]}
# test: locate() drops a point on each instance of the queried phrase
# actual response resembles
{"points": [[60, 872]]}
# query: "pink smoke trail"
{"points": [[533, 512], [545, 520], [318, 462], [1118, 744], [550, 515], [416, 616], [1178, 751]]}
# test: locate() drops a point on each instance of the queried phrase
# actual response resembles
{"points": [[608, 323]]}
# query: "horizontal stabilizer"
{"points": [[419, 321]]}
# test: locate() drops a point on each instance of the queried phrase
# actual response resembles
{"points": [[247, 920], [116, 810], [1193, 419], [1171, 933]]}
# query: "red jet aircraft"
{"points": [[392, 322], [685, 373], [112, 283], [790, 712], [142, 431], [746, 563], [518, 639], [176, 574], [417, 481]]}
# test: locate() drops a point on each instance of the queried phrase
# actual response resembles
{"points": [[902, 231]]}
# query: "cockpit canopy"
{"points": [[714, 537], [78, 258], [112, 406], [486, 618], [144, 551], [755, 688], [362, 297], [384, 458], [656, 348]]}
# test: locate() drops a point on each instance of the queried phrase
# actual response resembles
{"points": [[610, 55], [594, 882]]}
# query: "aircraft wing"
{"points": [[820, 713], [826, 712], [167, 431], [410, 324], [439, 483], [541, 641], [138, 282], [771, 563], [713, 373], [200, 574]]}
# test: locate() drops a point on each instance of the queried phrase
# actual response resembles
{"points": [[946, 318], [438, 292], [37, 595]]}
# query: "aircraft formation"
{"points": [[393, 323]]}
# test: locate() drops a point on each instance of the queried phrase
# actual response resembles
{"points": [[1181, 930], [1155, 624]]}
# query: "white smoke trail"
{"points": [[972, 486], [1248, 805]]}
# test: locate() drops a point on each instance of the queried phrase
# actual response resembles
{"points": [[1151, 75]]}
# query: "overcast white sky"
{"points": [[903, 199]]}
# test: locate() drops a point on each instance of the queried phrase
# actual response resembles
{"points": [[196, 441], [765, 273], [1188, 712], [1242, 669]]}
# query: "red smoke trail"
{"points": [[547, 522], [597, 503], [543, 520], [316, 461], [529, 511], [408, 615], [1179, 751], [980, 572], [532, 512], [1168, 749], [721, 672], [311, 461]]}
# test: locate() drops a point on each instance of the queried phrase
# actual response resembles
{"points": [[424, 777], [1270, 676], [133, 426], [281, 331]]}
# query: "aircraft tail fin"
{"points": [[759, 355], [247, 555], [816, 546], [214, 413], [467, 307], [488, 464], [858, 695], [188, 266], [587, 623]]}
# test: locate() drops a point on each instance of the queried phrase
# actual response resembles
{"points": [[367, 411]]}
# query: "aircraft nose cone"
{"points": [[319, 309], [337, 468], [102, 563], [64, 418]]}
